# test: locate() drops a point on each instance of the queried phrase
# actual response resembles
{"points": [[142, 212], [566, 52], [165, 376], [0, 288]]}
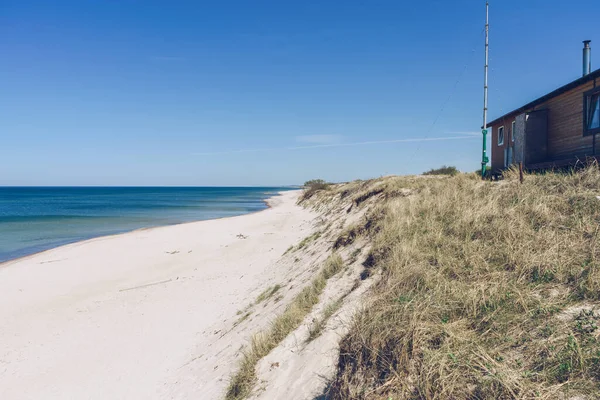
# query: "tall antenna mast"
{"points": [[484, 157]]}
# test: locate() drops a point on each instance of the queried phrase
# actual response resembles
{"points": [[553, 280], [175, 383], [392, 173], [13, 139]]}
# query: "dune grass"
{"points": [[267, 293], [304, 242], [309, 239], [316, 328], [263, 342], [488, 291]]}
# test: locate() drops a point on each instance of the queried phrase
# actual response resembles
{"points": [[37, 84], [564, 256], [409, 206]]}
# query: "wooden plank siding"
{"points": [[565, 124], [565, 127]]}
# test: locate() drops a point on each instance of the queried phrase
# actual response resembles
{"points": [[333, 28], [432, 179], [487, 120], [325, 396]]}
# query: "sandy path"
{"points": [[77, 322]]}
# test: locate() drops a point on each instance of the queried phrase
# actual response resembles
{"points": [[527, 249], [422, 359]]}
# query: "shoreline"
{"points": [[133, 315], [267, 201]]}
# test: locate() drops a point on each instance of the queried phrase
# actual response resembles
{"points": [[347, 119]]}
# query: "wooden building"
{"points": [[556, 130]]}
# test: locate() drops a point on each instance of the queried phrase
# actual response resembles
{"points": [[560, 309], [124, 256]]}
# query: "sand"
{"points": [[142, 315]]}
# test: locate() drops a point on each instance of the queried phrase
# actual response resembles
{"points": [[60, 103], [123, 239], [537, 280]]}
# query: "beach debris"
{"points": [[192, 360], [172, 252], [146, 285], [52, 261], [274, 365], [241, 236]]}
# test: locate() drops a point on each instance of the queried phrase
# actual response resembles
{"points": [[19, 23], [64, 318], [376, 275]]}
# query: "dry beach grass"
{"points": [[488, 290]]}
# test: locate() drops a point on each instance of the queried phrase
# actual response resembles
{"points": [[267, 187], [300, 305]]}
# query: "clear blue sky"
{"points": [[168, 92]]}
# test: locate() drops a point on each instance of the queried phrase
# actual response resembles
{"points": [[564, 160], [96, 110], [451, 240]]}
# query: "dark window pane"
{"points": [[594, 112]]}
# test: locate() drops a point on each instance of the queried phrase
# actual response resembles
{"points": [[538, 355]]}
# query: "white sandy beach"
{"points": [[134, 316]]}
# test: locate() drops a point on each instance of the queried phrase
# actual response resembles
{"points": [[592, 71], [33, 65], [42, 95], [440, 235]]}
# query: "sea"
{"points": [[33, 219]]}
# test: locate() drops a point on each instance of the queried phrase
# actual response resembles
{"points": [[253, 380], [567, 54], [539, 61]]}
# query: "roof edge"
{"points": [[560, 90]]}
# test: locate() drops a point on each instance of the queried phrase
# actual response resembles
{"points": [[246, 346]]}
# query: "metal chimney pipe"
{"points": [[587, 57]]}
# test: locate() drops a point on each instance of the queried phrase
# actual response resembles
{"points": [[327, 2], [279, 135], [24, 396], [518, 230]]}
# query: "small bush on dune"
{"points": [[316, 184], [313, 186], [444, 170]]}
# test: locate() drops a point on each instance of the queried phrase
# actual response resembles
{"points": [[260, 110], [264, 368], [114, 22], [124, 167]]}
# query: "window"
{"points": [[591, 112], [593, 121], [500, 136], [512, 131]]}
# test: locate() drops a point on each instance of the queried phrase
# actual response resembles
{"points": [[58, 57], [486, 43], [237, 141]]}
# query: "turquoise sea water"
{"points": [[33, 219]]}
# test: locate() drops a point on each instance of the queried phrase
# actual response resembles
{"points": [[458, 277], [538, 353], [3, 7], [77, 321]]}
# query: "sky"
{"points": [[267, 92]]}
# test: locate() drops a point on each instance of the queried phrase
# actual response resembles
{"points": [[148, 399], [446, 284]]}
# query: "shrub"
{"points": [[316, 184], [444, 170], [313, 186]]}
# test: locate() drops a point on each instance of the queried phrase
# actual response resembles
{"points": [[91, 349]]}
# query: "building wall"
{"points": [[497, 152], [565, 128], [519, 135], [565, 124]]}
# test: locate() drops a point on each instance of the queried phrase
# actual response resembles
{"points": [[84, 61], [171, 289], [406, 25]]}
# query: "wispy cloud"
{"points": [[471, 133], [317, 146], [319, 139]]}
